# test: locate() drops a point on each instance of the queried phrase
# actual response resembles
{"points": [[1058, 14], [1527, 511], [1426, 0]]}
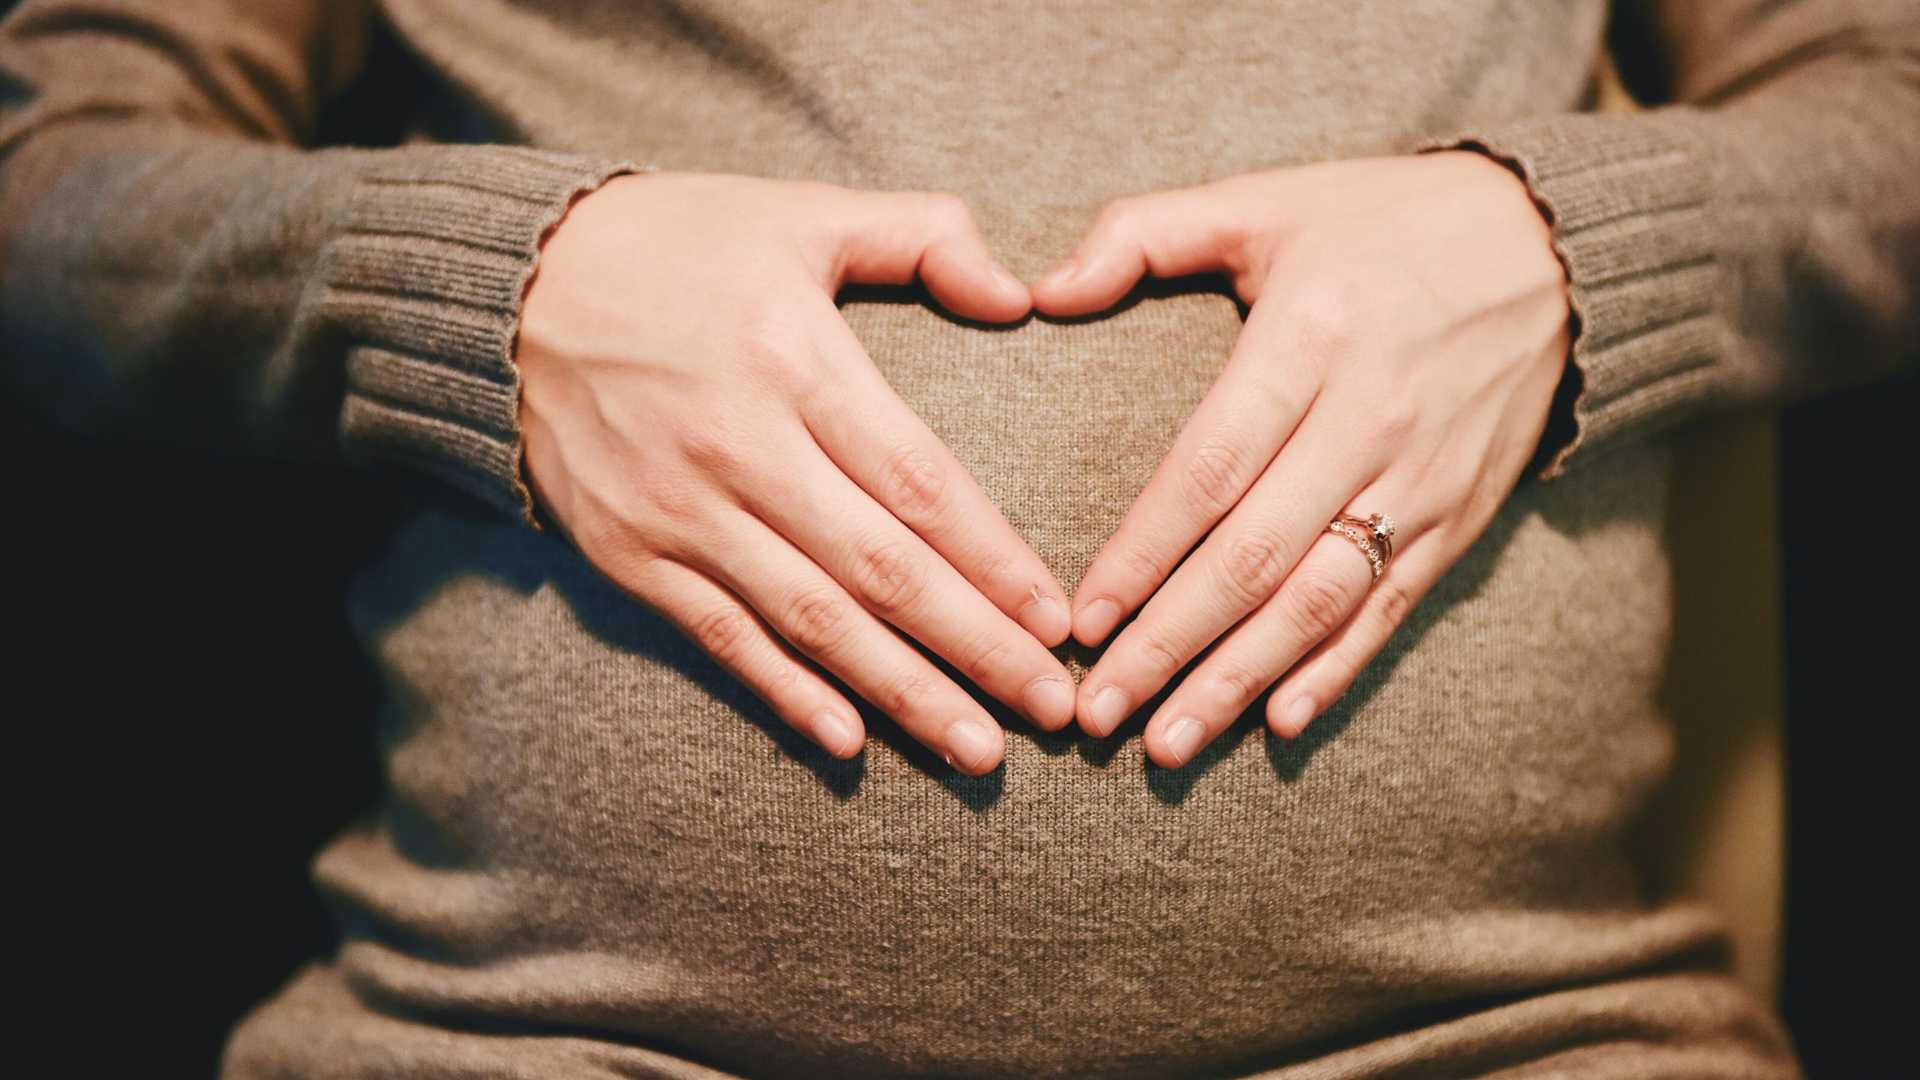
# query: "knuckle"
{"points": [[1253, 562], [1393, 600], [627, 542], [758, 350], [686, 527], [1318, 604], [606, 533], [1160, 655], [714, 448], [1393, 417], [916, 486], [991, 572], [817, 621], [985, 659], [1327, 323], [662, 498], [723, 633], [771, 355], [907, 695], [888, 577], [1216, 474], [1140, 561], [1242, 682], [781, 680]]}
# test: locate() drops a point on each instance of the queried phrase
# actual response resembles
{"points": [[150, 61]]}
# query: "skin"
{"points": [[1408, 325], [702, 423]]}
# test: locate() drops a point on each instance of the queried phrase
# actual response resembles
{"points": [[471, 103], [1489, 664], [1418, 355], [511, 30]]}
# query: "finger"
{"points": [[1330, 667], [1236, 568], [1315, 600], [1166, 234], [1228, 441], [883, 446], [812, 612], [728, 631], [896, 576], [888, 238]]}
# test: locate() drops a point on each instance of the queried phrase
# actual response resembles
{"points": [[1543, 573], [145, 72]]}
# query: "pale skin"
{"points": [[705, 427], [708, 431]]}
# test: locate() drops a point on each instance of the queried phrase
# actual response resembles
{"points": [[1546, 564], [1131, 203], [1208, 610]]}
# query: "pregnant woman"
{"points": [[1212, 629]]}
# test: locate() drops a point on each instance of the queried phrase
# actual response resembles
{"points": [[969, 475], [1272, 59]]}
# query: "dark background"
{"points": [[191, 719]]}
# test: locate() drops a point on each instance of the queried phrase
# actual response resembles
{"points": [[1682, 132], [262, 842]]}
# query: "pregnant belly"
{"points": [[592, 829]]}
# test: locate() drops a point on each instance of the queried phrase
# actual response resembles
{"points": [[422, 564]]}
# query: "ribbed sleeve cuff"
{"points": [[424, 279], [1626, 200]]}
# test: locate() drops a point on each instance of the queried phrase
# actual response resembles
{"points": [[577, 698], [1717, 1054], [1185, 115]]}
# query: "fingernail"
{"points": [[1096, 621], [1049, 702], [835, 733], [1006, 279], [1045, 619], [1110, 706], [1298, 712], [972, 745], [1183, 738]]}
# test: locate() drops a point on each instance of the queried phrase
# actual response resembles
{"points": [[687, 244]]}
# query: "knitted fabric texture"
{"points": [[600, 856]]}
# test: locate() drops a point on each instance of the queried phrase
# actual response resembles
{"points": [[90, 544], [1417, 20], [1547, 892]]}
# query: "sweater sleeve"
{"points": [[178, 261], [1750, 238]]}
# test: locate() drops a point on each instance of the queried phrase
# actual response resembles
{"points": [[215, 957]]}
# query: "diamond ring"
{"points": [[1372, 534]]}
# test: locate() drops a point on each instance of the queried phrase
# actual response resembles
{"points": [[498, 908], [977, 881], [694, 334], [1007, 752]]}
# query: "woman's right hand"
{"points": [[706, 428]]}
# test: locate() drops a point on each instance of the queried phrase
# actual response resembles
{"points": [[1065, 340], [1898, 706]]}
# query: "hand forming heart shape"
{"points": [[729, 455], [1409, 325]]}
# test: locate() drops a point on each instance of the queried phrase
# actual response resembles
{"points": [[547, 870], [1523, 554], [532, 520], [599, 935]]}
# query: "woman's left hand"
{"points": [[1408, 325]]}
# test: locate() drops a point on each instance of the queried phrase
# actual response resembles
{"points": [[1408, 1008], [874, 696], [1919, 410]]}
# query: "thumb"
{"points": [[892, 237], [1168, 234]]}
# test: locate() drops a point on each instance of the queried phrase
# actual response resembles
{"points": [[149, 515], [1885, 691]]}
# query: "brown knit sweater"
{"points": [[600, 857]]}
